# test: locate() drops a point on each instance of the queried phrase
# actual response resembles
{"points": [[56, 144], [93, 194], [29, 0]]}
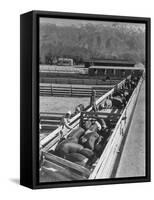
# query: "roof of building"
{"points": [[115, 67], [111, 61]]}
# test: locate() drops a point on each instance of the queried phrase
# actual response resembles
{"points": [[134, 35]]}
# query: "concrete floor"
{"points": [[132, 162]]}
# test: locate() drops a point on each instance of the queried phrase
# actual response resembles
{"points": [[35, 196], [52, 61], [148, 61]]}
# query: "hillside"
{"points": [[92, 41]]}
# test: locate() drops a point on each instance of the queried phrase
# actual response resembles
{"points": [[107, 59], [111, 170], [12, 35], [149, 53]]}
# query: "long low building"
{"points": [[108, 62], [114, 71]]}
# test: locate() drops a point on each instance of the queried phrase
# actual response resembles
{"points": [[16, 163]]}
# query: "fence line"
{"points": [[80, 81], [52, 90]]}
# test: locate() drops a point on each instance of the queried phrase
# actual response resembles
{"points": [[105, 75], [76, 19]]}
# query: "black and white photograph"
{"points": [[92, 107]]}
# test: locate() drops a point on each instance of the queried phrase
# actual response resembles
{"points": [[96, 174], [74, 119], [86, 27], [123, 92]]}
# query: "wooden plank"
{"points": [[81, 93], [49, 125], [50, 122], [54, 117], [68, 164], [101, 113], [48, 128], [50, 113], [56, 168], [53, 175], [50, 118], [81, 89]]}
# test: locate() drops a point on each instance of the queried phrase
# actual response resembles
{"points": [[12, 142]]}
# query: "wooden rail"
{"points": [[74, 91], [50, 121], [79, 81]]}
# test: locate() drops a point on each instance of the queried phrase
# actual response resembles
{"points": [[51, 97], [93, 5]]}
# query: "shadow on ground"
{"points": [[15, 180]]}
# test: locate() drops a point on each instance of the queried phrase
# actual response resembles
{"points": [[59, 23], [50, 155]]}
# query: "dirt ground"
{"points": [[61, 104]]}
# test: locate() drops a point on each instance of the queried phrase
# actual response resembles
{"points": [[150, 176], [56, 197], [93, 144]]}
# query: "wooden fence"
{"points": [[50, 121], [78, 81], [71, 91]]}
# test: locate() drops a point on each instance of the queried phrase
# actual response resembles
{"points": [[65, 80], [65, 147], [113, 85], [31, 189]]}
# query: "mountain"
{"points": [[114, 41]]}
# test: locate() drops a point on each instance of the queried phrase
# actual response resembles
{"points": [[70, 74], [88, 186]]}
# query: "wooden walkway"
{"points": [[132, 162]]}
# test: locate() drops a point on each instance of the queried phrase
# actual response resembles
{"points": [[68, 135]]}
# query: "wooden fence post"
{"points": [[71, 90], [51, 90]]}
